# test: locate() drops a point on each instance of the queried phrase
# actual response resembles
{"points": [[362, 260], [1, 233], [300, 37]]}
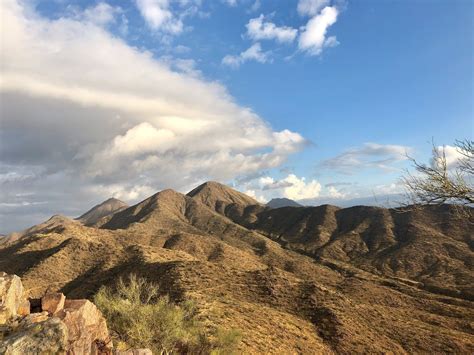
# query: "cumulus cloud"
{"points": [[159, 15], [313, 36], [259, 29], [101, 14], [311, 7], [254, 52], [292, 187], [369, 155], [85, 115], [335, 193]]}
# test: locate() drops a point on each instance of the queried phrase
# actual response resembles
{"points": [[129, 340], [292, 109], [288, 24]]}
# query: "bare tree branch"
{"points": [[437, 183]]}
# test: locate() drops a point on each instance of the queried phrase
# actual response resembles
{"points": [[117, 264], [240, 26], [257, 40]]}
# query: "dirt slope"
{"points": [[301, 280]]}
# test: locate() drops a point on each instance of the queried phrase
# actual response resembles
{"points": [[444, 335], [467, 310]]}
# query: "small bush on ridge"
{"points": [[140, 318]]}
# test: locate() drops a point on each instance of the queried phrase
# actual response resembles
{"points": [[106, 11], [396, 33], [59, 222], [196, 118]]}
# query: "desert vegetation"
{"points": [[139, 318], [293, 280], [438, 182]]}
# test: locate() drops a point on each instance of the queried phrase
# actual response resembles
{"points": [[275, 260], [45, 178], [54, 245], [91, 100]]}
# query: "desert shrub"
{"points": [[261, 247], [138, 317]]}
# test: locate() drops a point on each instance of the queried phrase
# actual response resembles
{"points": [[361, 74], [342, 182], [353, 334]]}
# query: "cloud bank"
{"points": [[86, 113]]}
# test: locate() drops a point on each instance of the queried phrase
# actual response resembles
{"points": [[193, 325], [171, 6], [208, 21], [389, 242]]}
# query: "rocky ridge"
{"points": [[51, 324]]}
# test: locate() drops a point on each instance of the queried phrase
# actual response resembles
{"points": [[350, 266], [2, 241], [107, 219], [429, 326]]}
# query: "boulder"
{"points": [[24, 308], [53, 302], [11, 296], [87, 328], [46, 337]]}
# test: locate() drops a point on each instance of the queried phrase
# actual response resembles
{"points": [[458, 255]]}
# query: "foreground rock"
{"points": [[87, 328], [62, 326], [12, 299], [46, 337], [53, 302]]}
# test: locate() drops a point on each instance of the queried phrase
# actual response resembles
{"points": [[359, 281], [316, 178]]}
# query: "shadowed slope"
{"points": [[228, 202]]}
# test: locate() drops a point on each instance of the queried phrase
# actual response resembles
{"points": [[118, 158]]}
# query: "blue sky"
{"points": [[320, 114]]}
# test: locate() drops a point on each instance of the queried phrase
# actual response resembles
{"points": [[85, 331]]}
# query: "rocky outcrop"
{"points": [[48, 336], [12, 299], [53, 302], [60, 327], [87, 328]]}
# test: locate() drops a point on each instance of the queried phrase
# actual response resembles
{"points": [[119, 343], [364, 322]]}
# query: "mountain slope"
{"points": [[228, 202], [218, 196], [297, 280], [104, 209], [430, 245]]}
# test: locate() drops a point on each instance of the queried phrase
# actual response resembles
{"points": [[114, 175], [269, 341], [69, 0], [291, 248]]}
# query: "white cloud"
{"points": [[230, 2], [253, 194], [255, 6], [311, 7], [259, 29], [158, 15], [101, 14], [370, 155], [300, 189], [292, 187], [452, 154], [313, 36], [254, 52], [89, 112], [335, 193], [143, 138]]}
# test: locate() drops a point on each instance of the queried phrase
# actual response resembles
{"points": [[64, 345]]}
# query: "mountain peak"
{"points": [[103, 209], [213, 193]]}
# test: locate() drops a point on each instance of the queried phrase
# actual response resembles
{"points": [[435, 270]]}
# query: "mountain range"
{"points": [[292, 279]]}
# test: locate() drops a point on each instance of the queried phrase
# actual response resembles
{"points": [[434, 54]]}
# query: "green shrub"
{"points": [[139, 318]]}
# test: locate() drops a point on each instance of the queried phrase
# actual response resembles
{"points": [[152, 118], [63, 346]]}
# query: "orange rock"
{"points": [[53, 302], [86, 326], [24, 308]]}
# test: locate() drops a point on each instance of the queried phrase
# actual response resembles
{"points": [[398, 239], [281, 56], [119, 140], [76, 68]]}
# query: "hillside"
{"points": [[104, 209], [293, 280]]}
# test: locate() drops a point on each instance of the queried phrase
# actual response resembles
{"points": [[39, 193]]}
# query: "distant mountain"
{"points": [[282, 202], [104, 209], [319, 279], [384, 200]]}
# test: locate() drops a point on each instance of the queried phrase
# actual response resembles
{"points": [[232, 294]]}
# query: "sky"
{"points": [[319, 101]]}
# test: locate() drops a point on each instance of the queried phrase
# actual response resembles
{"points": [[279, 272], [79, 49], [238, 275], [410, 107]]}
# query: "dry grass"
{"points": [[355, 280], [140, 318]]}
